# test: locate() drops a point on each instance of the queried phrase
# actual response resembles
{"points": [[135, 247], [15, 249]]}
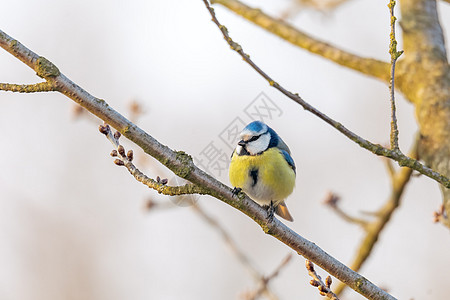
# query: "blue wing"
{"points": [[289, 159]]}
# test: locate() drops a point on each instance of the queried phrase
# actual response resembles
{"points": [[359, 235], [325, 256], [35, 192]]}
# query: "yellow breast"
{"points": [[265, 177]]}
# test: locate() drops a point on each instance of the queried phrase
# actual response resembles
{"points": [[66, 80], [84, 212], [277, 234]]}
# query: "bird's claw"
{"points": [[270, 212], [236, 191]]}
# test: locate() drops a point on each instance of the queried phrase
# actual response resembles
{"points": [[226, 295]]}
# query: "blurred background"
{"points": [[75, 226]]}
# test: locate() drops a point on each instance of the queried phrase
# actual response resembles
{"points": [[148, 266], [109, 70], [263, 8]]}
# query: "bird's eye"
{"points": [[253, 138]]}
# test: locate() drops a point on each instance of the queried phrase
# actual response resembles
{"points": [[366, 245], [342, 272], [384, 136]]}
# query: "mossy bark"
{"points": [[424, 78]]}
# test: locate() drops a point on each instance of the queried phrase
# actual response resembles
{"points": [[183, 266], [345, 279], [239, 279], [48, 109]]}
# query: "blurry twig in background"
{"points": [[394, 154], [263, 289], [368, 66], [440, 216], [136, 110], [373, 229], [332, 200], [323, 287], [320, 5], [151, 205], [78, 112], [242, 258], [265, 280]]}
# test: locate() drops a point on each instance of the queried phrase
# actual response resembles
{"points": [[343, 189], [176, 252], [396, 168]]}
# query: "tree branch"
{"points": [[126, 160], [242, 258], [182, 165], [332, 201], [324, 288], [368, 66], [403, 160], [28, 88], [394, 56], [266, 279], [425, 74]]}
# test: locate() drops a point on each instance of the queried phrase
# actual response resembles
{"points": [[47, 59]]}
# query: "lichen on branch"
{"points": [[28, 88]]}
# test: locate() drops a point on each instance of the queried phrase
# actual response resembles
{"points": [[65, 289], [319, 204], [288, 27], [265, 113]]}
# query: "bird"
{"points": [[262, 167]]}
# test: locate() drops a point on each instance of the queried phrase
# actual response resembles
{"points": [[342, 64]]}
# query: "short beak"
{"points": [[242, 143]]}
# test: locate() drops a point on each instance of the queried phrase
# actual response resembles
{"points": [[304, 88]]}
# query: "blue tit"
{"points": [[262, 167]]}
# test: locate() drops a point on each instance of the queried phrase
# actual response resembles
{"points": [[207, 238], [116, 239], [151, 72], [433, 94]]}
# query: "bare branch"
{"points": [[390, 168], [399, 179], [373, 229], [332, 200], [277, 271], [425, 74], [28, 88], [403, 160], [265, 280], [324, 288], [240, 255], [242, 258], [158, 184], [394, 56], [182, 165], [368, 66]]}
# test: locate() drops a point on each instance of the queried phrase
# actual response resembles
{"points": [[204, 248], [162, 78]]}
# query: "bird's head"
{"points": [[256, 138]]}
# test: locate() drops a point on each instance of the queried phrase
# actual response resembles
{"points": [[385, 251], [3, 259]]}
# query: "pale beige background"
{"points": [[73, 225]]}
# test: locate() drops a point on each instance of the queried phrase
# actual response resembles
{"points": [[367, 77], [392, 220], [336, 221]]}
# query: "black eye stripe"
{"points": [[253, 138]]}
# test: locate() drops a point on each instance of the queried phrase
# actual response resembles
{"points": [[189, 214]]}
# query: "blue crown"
{"points": [[256, 126]]}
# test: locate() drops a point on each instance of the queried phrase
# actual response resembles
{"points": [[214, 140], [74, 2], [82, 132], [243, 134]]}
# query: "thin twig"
{"points": [[242, 258], [390, 168], [282, 264], [403, 160], [126, 160], [332, 200], [368, 66], [323, 287], [265, 280], [28, 88], [394, 56], [182, 165]]}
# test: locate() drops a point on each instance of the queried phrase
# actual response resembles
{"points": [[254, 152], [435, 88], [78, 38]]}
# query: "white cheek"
{"points": [[259, 145]]}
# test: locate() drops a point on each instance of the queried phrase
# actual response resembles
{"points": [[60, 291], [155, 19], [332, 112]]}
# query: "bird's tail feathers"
{"points": [[283, 211]]}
